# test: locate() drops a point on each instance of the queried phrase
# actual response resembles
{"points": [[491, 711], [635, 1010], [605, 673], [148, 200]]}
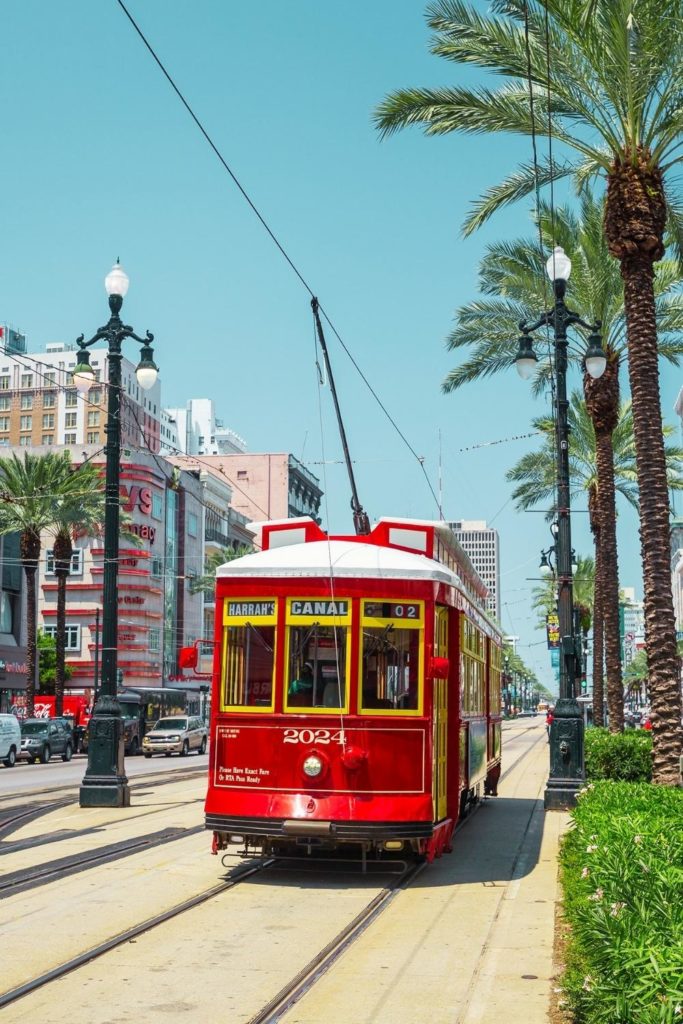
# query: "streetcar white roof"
{"points": [[343, 558]]}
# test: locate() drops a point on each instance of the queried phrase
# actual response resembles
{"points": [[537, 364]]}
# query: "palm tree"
{"points": [[604, 76], [535, 477], [31, 489], [79, 508], [512, 282], [206, 584]]}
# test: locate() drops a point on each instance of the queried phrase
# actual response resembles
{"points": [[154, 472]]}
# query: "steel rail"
{"points": [[32, 878], [11, 996], [298, 987], [320, 964]]}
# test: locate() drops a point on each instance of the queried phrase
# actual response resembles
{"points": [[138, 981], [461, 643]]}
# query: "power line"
{"points": [[273, 237]]}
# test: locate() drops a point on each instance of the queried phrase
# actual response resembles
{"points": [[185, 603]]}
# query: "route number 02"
{"points": [[307, 736]]}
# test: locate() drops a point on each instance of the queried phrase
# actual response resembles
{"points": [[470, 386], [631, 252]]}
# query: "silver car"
{"points": [[177, 735]]}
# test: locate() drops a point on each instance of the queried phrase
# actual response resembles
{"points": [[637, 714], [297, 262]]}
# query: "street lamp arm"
{"points": [[129, 333], [544, 321]]}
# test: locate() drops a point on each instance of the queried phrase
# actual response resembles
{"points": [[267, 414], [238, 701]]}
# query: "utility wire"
{"points": [[273, 238]]}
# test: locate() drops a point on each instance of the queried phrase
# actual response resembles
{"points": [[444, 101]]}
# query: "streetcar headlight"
{"points": [[313, 766]]}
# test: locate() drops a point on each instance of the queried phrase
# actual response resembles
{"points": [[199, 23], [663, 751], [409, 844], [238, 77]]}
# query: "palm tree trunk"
{"points": [[598, 642], [660, 629], [609, 582]]}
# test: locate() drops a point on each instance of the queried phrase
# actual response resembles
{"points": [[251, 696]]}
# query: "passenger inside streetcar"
{"points": [[317, 672]]}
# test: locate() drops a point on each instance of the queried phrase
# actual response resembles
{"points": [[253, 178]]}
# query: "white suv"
{"points": [[177, 735]]}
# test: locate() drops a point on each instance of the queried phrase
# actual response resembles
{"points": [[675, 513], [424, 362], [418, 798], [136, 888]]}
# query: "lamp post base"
{"points": [[567, 771], [105, 792], [561, 794], [105, 783]]}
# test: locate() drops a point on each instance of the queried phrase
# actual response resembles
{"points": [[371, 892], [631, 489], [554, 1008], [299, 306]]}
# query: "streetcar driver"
{"points": [[300, 691]]}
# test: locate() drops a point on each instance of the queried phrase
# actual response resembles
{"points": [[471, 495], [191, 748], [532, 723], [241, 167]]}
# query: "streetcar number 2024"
{"points": [[322, 736]]}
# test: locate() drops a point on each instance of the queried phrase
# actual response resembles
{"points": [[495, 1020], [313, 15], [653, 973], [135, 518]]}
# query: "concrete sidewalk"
{"points": [[470, 941]]}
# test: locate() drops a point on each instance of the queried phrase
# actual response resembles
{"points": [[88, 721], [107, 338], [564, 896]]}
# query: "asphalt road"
{"points": [[24, 777]]}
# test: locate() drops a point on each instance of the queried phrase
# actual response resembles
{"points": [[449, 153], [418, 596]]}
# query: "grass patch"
{"points": [[621, 756], [622, 873]]}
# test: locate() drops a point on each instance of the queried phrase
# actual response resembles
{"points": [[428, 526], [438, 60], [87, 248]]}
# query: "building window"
{"points": [[50, 377], [26, 380], [154, 641], [93, 437], [192, 525], [155, 571], [95, 396], [241, 474], [70, 419], [71, 399], [48, 421], [26, 423], [25, 440], [94, 419], [157, 506], [48, 439], [4, 383], [72, 636], [4, 422], [27, 401], [49, 400], [76, 562], [5, 403], [69, 439]]}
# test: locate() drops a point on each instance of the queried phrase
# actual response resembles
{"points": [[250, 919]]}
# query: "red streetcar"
{"points": [[356, 691]]}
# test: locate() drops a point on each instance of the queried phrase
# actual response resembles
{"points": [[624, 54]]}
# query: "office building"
{"points": [[482, 545]]}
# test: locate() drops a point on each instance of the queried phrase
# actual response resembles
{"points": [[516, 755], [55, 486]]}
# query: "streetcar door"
{"points": [[440, 718]]}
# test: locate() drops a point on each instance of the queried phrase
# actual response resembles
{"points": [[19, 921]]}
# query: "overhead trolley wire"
{"points": [[273, 238]]}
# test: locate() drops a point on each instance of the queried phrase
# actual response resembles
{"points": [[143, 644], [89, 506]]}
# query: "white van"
{"points": [[10, 739]]}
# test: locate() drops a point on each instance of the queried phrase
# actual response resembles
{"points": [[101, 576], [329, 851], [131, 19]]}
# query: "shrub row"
{"points": [[621, 756], [622, 873]]}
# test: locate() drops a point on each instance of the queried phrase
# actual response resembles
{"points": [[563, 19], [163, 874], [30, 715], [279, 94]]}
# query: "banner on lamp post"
{"points": [[552, 629]]}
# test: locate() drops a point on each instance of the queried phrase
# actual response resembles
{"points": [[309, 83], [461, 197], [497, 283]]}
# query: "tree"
{"points": [[604, 76], [46, 652], [513, 284], [78, 509], [535, 475], [206, 584], [30, 488]]}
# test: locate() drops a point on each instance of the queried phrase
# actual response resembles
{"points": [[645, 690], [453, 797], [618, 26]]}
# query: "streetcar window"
{"points": [[316, 675], [248, 664], [390, 678]]}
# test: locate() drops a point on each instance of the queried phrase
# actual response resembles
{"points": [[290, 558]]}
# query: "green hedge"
{"points": [[622, 873], [620, 756]]}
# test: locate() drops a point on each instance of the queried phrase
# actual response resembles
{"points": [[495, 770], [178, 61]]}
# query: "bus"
{"points": [[141, 707]]}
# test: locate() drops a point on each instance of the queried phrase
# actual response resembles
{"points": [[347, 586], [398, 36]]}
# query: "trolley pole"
{"points": [[567, 768]]}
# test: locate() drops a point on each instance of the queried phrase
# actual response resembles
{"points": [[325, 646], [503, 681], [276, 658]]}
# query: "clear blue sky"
{"points": [[100, 160]]}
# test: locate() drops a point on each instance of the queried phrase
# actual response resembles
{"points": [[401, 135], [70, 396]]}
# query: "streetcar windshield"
{"points": [[248, 665], [391, 676], [317, 667]]}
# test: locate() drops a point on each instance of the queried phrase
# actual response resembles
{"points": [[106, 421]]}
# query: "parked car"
{"points": [[177, 735], [10, 740], [43, 737]]}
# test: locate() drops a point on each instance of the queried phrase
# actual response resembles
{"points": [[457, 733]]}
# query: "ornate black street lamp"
{"points": [[105, 783], [567, 771]]}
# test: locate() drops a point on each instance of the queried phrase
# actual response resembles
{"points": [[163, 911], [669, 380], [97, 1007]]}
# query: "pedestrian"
{"points": [[549, 722]]}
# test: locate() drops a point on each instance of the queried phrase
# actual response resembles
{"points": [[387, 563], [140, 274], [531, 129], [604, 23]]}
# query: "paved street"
{"points": [[487, 909]]}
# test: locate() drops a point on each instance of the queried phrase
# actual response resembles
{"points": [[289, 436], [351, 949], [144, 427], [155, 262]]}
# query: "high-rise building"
{"points": [[194, 430], [632, 624], [482, 545], [40, 406]]}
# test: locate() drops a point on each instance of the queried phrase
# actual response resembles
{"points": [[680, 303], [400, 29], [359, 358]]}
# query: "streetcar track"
{"points": [[6, 998], [301, 984], [32, 878]]}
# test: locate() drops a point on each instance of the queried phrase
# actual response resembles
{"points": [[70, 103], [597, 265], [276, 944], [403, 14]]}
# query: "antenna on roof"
{"points": [[361, 522]]}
